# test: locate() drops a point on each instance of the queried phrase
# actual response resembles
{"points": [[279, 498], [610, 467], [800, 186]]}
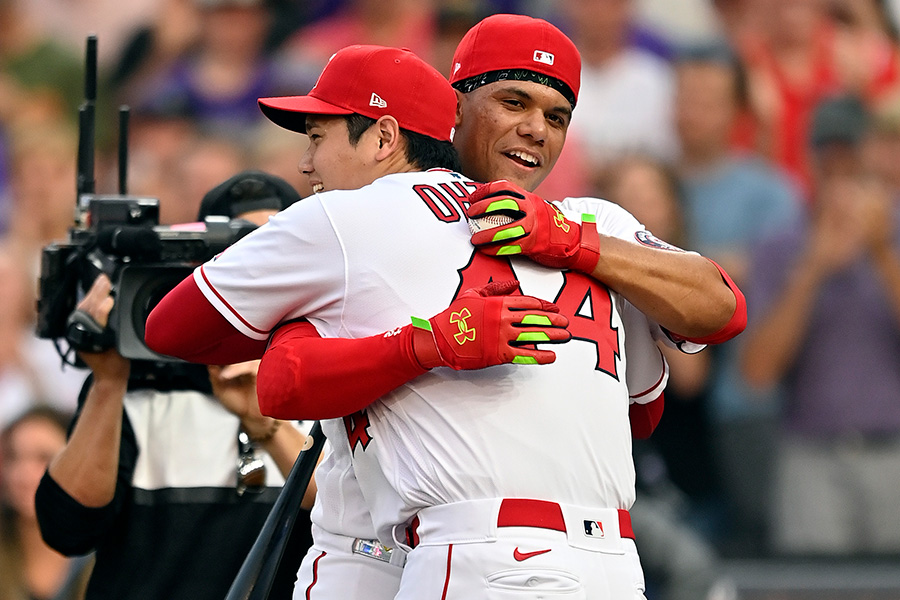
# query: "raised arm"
{"points": [[687, 294], [87, 468]]}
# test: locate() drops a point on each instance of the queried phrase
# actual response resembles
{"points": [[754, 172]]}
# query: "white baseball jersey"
{"points": [[359, 263], [337, 565]]}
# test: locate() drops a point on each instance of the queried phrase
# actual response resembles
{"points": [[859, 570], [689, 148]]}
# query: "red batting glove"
{"points": [[486, 326], [539, 229]]}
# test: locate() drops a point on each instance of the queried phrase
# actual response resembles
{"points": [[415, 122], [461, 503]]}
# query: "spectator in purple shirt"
{"points": [[825, 320]]}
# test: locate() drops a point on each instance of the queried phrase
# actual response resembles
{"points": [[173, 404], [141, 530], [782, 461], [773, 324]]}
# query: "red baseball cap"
{"points": [[504, 42], [373, 81]]}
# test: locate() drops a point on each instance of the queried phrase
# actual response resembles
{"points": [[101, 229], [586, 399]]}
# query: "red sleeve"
{"points": [[303, 376], [738, 320], [185, 325], [645, 417]]}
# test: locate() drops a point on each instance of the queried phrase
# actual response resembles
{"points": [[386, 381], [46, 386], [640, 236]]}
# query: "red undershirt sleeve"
{"points": [[303, 376], [185, 325], [645, 417], [736, 324]]}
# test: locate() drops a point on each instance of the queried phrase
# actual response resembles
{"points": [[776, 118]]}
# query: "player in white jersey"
{"points": [[418, 473], [346, 560]]}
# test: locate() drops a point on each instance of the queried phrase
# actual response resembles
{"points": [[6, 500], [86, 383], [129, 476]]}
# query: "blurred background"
{"points": [[763, 133]]}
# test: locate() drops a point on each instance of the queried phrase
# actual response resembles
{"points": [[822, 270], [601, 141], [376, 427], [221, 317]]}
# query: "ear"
{"points": [[459, 109], [387, 130]]}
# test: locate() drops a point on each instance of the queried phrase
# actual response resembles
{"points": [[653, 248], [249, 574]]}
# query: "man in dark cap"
{"points": [[250, 195]]}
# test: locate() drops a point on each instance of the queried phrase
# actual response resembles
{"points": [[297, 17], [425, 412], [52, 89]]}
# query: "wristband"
{"points": [[276, 424]]}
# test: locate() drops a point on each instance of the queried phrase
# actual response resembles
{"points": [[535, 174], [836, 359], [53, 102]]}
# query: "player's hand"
{"points": [[539, 229], [487, 326]]}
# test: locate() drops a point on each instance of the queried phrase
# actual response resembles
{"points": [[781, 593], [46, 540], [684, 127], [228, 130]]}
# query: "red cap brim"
{"points": [[290, 111]]}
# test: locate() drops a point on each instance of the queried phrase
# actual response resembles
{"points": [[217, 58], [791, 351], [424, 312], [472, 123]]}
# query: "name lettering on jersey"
{"points": [[357, 426], [594, 529], [448, 200], [393, 332], [466, 333], [586, 302]]}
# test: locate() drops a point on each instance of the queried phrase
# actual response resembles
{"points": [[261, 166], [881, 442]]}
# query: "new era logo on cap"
{"points": [[409, 90], [543, 57]]}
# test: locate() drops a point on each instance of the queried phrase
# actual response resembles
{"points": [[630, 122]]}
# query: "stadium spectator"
{"points": [[626, 92], [731, 200], [825, 299], [29, 568]]}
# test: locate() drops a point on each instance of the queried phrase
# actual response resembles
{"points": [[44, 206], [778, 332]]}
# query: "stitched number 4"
{"points": [[586, 302], [357, 426]]}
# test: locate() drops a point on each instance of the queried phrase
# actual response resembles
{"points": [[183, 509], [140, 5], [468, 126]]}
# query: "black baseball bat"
{"points": [[254, 579]]}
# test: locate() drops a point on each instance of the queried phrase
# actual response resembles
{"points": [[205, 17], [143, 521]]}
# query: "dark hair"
{"points": [[717, 53], [40, 412], [422, 151], [476, 81]]}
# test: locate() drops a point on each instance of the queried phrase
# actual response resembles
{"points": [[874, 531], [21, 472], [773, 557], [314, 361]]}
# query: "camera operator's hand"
{"points": [[235, 387], [97, 303]]}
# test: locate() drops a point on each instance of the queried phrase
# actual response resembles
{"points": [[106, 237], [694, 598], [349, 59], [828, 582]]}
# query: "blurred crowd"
{"points": [[762, 133]]}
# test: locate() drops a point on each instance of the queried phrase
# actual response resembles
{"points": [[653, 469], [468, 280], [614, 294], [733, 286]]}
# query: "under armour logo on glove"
{"points": [[466, 333], [489, 326]]}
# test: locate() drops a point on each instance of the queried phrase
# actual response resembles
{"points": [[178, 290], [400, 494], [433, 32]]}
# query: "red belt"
{"points": [[519, 512]]}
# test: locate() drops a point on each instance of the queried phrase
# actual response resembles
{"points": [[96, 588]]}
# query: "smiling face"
{"points": [[333, 163], [511, 130]]}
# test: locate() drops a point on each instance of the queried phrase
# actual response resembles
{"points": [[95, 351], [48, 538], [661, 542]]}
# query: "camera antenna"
{"points": [[123, 149], [86, 120]]}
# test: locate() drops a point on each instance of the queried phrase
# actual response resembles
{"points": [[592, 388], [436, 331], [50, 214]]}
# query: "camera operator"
{"points": [[169, 478]]}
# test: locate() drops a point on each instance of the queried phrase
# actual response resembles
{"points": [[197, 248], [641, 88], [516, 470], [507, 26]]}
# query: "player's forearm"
{"points": [[772, 344], [302, 376], [185, 325], [87, 468], [683, 292]]}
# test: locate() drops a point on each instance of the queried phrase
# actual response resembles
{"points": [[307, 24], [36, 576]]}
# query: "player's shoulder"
{"points": [[429, 177], [603, 210], [611, 218]]}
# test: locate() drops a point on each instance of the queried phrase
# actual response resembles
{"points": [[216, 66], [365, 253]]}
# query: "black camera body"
{"points": [[121, 236]]}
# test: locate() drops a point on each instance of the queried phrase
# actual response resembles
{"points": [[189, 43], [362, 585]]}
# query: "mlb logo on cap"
{"points": [[543, 57], [503, 42]]}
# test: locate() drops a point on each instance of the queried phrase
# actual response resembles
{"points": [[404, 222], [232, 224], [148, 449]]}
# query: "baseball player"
{"points": [[346, 560], [416, 480]]}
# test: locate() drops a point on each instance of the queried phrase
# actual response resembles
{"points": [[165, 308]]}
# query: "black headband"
{"points": [[476, 81]]}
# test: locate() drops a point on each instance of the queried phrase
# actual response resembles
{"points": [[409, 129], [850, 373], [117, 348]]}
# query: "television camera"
{"points": [[119, 235]]}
